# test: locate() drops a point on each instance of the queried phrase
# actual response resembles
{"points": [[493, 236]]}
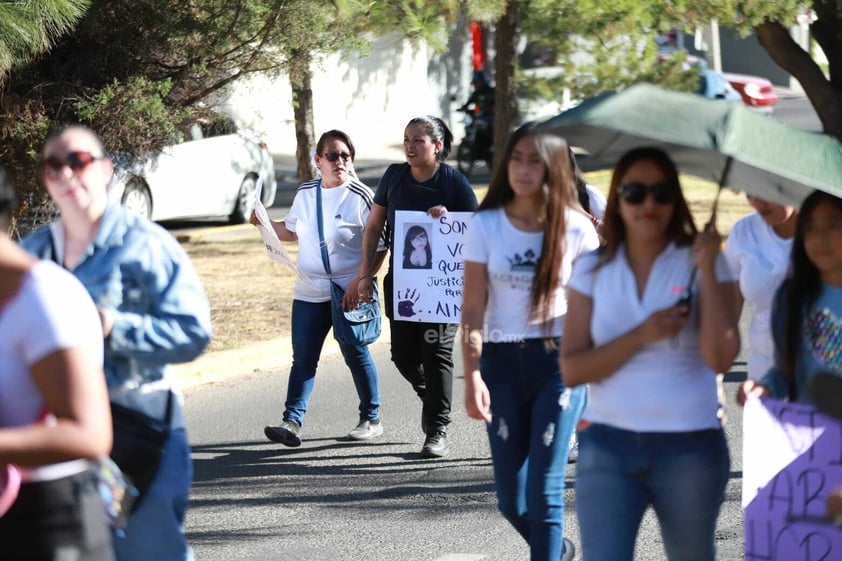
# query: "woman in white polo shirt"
{"points": [[346, 203], [650, 433]]}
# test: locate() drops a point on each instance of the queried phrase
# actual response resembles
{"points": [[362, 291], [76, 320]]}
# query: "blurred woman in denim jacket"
{"points": [[153, 309]]}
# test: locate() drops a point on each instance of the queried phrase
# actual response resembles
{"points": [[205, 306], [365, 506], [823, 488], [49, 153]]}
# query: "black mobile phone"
{"points": [[686, 300]]}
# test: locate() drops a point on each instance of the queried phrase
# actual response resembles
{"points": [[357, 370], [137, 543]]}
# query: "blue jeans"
{"points": [[156, 528], [311, 322], [620, 473], [533, 418]]}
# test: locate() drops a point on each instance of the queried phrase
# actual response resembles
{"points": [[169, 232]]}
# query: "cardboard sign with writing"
{"points": [[792, 460], [427, 269]]}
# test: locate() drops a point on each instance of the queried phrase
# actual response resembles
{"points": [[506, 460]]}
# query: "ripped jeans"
{"points": [[533, 418]]}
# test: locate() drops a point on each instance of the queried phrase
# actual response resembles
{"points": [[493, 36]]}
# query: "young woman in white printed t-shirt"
{"points": [[650, 434], [54, 413], [758, 250], [346, 203], [518, 253]]}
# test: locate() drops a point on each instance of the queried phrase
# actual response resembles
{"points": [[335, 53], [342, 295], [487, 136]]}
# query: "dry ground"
{"points": [[251, 296]]}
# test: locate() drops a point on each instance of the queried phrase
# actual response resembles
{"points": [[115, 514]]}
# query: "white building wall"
{"points": [[371, 97]]}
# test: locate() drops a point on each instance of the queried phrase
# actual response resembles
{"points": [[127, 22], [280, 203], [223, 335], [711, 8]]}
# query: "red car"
{"points": [[756, 92]]}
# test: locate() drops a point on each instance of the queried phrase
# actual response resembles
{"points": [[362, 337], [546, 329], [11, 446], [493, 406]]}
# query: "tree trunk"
{"points": [[302, 102], [825, 98], [505, 106]]}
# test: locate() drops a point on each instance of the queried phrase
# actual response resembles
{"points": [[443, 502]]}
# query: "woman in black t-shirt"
{"points": [[422, 352]]}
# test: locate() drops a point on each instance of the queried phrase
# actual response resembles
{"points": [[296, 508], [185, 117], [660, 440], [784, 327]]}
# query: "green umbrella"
{"points": [[714, 140]]}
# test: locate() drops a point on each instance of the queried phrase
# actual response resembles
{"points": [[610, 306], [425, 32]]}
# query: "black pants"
{"points": [[59, 519], [423, 354]]}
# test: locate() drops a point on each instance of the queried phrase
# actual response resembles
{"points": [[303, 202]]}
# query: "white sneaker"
{"points": [[366, 430], [573, 449]]}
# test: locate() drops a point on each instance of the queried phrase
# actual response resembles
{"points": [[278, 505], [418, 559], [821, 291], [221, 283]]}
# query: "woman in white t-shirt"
{"points": [[54, 411], [758, 250], [346, 203], [650, 321], [518, 254]]}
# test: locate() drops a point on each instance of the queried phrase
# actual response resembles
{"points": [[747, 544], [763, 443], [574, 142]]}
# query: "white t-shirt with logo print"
{"points": [[510, 256], [345, 210]]}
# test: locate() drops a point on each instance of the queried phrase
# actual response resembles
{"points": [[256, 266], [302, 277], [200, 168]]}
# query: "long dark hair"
{"points": [[558, 193], [681, 229], [579, 180], [804, 284], [435, 128], [413, 232]]}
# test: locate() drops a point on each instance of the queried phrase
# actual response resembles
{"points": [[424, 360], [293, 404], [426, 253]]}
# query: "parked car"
{"points": [[756, 92], [213, 173], [713, 85]]}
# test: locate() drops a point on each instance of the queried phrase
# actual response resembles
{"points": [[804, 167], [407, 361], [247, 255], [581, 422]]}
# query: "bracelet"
{"points": [[367, 277]]}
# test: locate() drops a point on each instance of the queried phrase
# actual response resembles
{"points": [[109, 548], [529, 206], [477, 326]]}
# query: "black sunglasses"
{"points": [[635, 193], [333, 156], [76, 161]]}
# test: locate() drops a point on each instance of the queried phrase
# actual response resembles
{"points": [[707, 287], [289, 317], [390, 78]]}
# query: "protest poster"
{"points": [[274, 246], [792, 460], [427, 272]]}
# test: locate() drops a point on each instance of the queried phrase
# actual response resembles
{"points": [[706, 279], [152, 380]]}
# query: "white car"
{"points": [[214, 173]]}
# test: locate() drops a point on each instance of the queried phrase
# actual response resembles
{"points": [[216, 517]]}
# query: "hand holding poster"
{"points": [[274, 246], [792, 463], [427, 269]]}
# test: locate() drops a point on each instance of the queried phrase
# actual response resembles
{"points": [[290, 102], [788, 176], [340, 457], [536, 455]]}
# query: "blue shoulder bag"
{"points": [[360, 326]]}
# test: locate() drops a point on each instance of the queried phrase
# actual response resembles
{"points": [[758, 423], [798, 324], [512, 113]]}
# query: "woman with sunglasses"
{"points": [[422, 351], [346, 203], [650, 322], [512, 319], [154, 312], [54, 415]]}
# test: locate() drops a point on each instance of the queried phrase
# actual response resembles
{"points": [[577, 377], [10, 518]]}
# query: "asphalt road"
{"points": [[336, 500]]}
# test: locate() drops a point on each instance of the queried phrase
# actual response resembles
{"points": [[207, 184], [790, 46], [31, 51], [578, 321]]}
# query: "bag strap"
{"points": [[320, 222], [168, 416]]}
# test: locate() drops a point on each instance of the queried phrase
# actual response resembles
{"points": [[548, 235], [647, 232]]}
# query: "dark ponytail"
{"points": [[436, 129]]}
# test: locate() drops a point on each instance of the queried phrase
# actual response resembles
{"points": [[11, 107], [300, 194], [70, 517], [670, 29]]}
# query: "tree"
{"points": [[140, 71], [28, 29], [823, 91]]}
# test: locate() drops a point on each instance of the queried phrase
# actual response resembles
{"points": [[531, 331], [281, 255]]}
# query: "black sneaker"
{"points": [[287, 433], [436, 445]]}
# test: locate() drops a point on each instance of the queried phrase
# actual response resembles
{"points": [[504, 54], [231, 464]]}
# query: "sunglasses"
{"points": [[635, 193], [76, 161], [333, 156]]}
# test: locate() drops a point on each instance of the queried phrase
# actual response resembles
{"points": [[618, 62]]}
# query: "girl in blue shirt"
{"points": [[807, 312]]}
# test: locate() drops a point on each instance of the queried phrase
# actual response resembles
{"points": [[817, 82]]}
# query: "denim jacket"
{"points": [[135, 269]]}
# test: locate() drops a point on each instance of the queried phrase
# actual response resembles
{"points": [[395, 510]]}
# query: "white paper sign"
{"points": [[427, 269], [274, 246]]}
